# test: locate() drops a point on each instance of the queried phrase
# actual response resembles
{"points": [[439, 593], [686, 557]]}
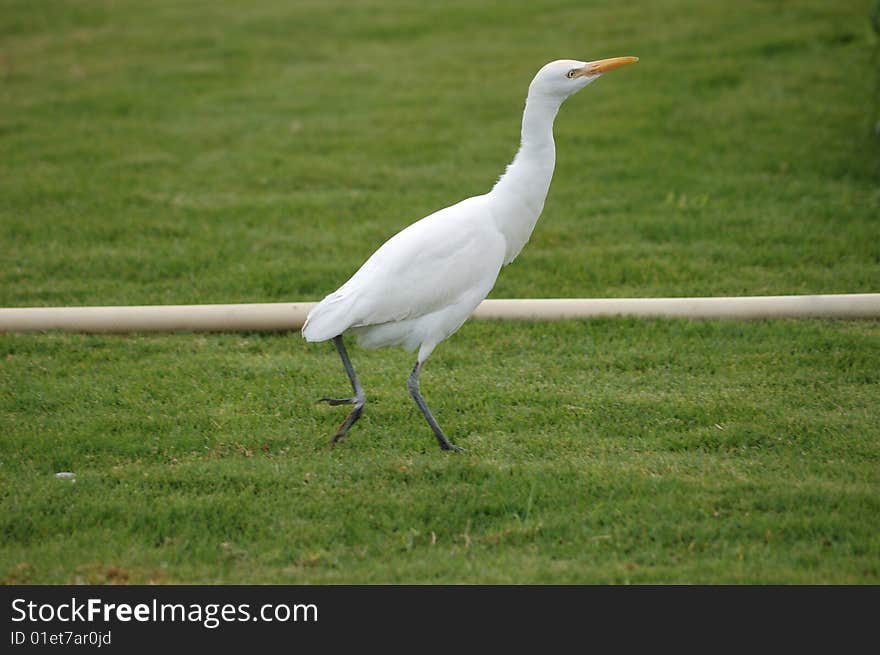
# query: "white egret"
{"points": [[423, 283]]}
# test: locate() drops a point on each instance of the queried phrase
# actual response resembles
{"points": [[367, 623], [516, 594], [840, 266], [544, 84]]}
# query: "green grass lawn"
{"points": [[203, 152]]}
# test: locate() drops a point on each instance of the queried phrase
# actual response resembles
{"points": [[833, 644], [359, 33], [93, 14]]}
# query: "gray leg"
{"points": [[413, 385], [358, 400]]}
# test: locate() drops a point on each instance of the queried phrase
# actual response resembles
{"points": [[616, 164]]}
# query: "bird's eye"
{"points": [[570, 74]]}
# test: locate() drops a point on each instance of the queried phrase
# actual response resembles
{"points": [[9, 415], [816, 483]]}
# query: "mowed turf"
{"points": [[200, 152]]}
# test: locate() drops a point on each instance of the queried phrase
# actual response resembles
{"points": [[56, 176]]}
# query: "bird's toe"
{"points": [[336, 401]]}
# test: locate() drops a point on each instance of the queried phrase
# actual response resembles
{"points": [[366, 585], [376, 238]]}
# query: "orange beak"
{"points": [[605, 65]]}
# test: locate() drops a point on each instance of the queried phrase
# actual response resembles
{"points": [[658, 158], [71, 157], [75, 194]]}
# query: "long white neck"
{"points": [[517, 199]]}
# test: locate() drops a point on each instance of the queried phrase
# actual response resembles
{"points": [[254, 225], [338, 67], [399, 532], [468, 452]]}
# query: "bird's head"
{"points": [[560, 79]]}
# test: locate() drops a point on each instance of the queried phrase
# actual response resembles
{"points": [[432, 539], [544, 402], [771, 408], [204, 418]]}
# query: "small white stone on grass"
{"points": [[66, 475]]}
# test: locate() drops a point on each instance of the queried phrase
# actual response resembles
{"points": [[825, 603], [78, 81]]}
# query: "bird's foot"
{"points": [[445, 444], [337, 437], [354, 415], [337, 401]]}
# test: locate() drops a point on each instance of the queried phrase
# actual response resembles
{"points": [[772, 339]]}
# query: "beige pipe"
{"points": [[857, 305], [263, 317], [290, 316]]}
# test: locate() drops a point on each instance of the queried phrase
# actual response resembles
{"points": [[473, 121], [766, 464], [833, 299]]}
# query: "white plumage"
{"points": [[423, 283], [420, 286]]}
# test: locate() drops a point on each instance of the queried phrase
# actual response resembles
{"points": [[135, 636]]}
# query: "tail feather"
{"points": [[331, 317]]}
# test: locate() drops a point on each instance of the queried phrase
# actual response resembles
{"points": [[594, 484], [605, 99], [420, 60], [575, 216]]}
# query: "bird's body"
{"points": [[420, 285], [423, 283]]}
